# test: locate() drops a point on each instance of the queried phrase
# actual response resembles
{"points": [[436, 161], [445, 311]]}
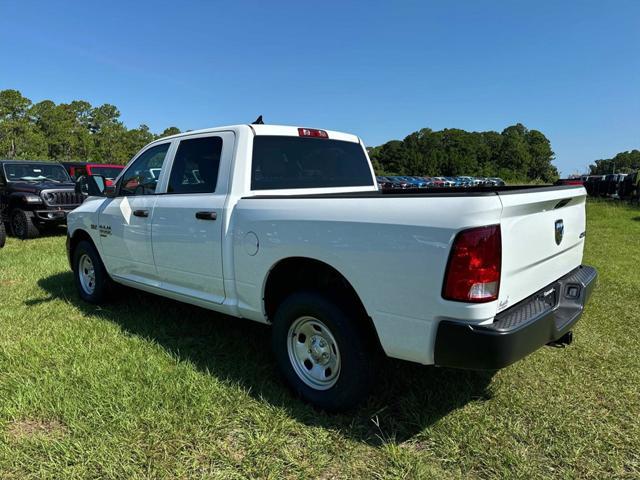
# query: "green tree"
{"points": [[136, 139], [623, 162], [516, 154], [541, 156], [18, 136], [167, 132]]}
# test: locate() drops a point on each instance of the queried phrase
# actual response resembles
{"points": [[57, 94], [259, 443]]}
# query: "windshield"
{"points": [[107, 172], [294, 162], [35, 172]]}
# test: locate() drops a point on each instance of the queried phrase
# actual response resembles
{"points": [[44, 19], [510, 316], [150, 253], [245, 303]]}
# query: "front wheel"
{"points": [[22, 224], [324, 355], [92, 280]]}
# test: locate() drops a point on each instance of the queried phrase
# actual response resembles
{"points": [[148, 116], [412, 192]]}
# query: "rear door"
{"points": [[542, 239], [188, 219]]}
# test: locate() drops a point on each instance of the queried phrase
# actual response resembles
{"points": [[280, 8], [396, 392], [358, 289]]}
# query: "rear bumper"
{"points": [[538, 320]]}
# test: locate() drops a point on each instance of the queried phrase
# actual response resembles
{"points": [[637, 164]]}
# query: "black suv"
{"points": [[34, 195]]}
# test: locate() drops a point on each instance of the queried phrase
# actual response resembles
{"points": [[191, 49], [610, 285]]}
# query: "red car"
{"points": [[108, 171]]}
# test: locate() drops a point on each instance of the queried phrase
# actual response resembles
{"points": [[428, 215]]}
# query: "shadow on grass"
{"points": [[407, 399], [44, 232]]}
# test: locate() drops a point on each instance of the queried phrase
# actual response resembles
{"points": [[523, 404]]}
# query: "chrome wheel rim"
{"points": [[314, 353], [87, 274]]}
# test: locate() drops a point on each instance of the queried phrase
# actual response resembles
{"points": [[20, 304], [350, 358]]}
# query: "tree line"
{"points": [[623, 162], [67, 131], [80, 131], [517, 154]]}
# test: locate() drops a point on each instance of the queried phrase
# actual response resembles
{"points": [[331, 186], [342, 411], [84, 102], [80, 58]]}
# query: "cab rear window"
{"points": [[295, 162]]}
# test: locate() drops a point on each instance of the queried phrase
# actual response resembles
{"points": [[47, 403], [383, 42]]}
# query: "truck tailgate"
{"points": [[542, 239]]}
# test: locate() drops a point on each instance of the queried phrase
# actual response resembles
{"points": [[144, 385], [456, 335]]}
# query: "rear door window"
{"points": [[195, 167], [294, 162]]}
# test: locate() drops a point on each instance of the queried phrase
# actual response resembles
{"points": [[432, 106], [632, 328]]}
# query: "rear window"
{"points": [[294, 162]]}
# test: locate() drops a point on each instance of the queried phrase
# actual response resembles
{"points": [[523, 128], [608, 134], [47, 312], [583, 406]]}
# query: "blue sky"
{"points": [[378, 69]]}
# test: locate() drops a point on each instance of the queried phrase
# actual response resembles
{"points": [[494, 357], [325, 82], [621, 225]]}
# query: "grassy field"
{"points": [[150, 388]]}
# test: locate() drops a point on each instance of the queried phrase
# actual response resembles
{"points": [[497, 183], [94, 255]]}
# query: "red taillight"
{"points": [[312, 132], [473, 271]]}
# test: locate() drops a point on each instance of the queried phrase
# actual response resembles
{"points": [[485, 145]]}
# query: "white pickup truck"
{"points": [[286, 226]]}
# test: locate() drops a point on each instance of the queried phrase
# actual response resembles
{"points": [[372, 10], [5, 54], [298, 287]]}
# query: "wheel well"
{"points": [[299, 273], [78, 236]]}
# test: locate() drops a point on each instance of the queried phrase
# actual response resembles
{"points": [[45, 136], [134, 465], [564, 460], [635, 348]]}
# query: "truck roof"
{"points": [[279, 130]]}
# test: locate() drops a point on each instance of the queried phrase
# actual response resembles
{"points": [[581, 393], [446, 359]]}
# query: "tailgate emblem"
{"points": [[559, 231]]}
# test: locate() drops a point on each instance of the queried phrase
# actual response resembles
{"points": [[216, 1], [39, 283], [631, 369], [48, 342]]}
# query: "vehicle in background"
{"points": [[396, 182], [569, 181], [610, 184], [465, 181], [414, 182], [449, 182], [108, 171], [429, 181], [627, 187], [420, 182], [385, 184], [497, 182], [591, 184], [390, 182], [495, 273], [35, 195]]}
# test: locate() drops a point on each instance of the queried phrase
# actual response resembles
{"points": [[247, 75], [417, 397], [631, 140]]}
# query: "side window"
{"points": [[141, 178], [195, 166]]}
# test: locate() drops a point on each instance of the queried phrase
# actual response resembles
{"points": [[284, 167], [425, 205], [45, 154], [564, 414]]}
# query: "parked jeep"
{"points": [[35, 195]]}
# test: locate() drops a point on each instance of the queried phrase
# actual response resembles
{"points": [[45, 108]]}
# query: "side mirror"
{"points": [[110, 191], [92, 186]]}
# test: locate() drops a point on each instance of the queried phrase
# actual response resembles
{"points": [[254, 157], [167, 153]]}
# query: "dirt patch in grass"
{"points": [[31, 428]]}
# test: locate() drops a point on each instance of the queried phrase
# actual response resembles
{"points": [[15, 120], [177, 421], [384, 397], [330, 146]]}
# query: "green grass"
{"points": [[150, 388]]}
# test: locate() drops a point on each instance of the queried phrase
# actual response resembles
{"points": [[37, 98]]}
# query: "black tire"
{"points": [[102, 284], [358, 357], [22, 224], [3, 234]]}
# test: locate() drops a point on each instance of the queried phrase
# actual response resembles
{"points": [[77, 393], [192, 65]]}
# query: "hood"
{"points": [[37, 187]]}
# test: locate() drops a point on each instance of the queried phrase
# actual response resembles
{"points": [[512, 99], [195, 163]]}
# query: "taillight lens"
{"points": [[312, 132], [473, 271]]}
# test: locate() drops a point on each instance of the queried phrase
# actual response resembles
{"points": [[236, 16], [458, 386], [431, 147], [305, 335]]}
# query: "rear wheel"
{"points": [[92, 280], [324, 355], [3, 233], [22, 224]]}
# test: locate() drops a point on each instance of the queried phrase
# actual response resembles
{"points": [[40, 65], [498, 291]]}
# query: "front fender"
{"points": [[16, 200]]}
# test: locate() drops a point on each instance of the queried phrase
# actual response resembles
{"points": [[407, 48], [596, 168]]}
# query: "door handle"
{"points": [[206, 215], [141, 213]]}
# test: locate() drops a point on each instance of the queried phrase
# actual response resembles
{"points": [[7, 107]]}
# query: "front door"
{"points": [[125, 221], [188, 223]]}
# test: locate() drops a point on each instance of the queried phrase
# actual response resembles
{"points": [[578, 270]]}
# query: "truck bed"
{"points": [[395, 253]]}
